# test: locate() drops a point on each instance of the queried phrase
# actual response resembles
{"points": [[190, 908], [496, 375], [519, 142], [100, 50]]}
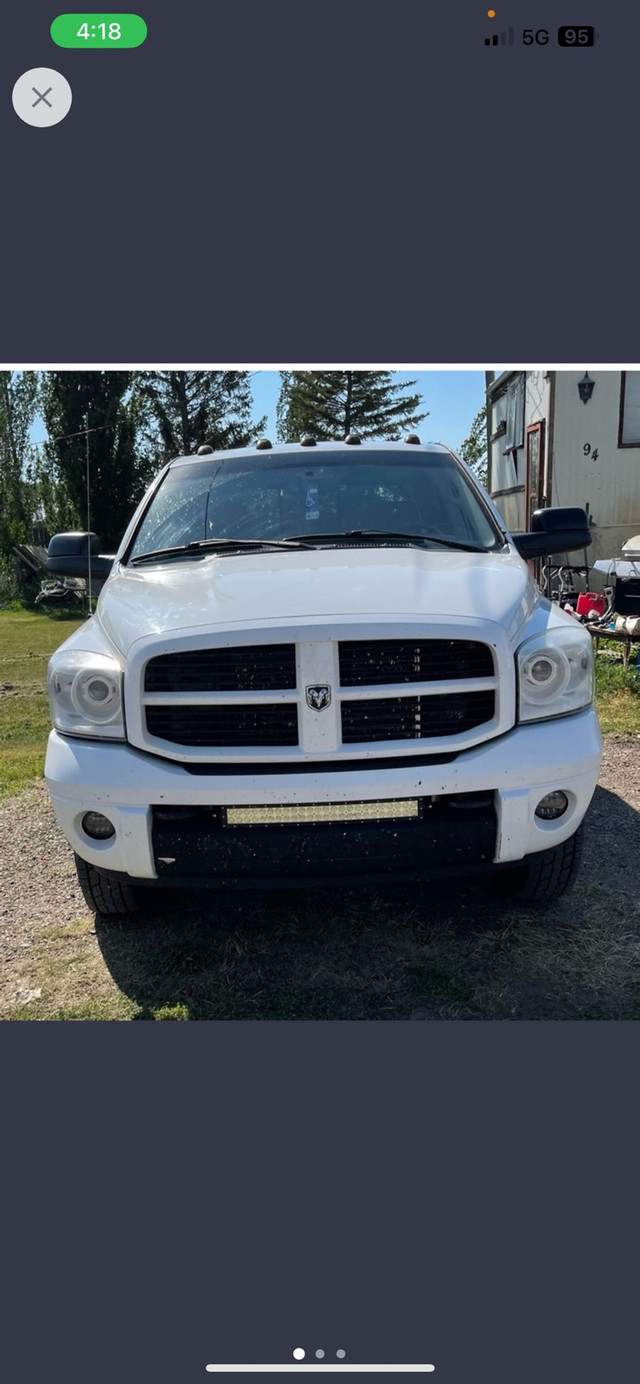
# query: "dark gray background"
{"points": [[278, 181], [281, 182], [459, 1194]]}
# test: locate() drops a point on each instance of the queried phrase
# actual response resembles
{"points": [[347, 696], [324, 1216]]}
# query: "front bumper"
{"points": [[518, 769]]}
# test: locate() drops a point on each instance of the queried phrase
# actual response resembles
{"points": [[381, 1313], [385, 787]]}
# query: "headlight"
{"points": [[555, 673], [85, 694]]}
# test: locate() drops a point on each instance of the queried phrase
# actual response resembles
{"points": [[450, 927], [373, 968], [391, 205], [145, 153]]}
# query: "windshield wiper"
{"points": [[221, 545], [298, 542], [390, 536]]}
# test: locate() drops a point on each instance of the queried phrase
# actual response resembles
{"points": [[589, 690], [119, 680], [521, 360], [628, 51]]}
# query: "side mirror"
{"points": [[69, 554], [560, 529]]}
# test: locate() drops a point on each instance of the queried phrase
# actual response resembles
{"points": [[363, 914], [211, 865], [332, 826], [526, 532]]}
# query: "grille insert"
{"points": [[412, 660], [224, 726], [251, 668], [448, 834], [415, 718]]}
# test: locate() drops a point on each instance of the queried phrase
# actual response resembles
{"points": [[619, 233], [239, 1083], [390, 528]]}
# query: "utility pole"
{"points": [[65, 437], [86, 429]]}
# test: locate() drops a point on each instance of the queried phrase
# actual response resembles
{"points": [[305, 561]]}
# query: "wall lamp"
{"points": [[586, 388]]}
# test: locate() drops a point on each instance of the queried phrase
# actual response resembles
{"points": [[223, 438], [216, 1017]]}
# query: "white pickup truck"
{"points": [[315, 662]]}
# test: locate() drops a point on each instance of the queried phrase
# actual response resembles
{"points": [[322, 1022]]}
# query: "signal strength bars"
{"points": [[502, 39]]}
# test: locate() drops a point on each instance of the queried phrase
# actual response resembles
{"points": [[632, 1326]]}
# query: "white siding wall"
{"points": [[537, 397], [501, 466], [610, 485], [508, 471]]}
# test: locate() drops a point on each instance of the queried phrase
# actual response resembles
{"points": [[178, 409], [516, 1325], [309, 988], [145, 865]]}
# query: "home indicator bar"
{"points": [[328, 1369]]}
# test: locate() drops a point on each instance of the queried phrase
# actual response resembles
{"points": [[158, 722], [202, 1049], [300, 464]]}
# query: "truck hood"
{"points": [[230, 592]]}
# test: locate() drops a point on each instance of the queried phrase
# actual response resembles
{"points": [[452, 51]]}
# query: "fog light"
{"points": [[97, 826], [553, 805]]}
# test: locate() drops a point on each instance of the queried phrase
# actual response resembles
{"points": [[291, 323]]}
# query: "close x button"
{"points": [[42, 97]]}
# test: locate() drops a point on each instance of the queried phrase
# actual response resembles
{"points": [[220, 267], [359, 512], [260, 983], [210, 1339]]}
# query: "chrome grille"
{"points": [[254, 702]]}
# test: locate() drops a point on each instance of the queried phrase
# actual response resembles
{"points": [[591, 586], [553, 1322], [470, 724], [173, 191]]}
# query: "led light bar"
{"points": [[306, 814]]}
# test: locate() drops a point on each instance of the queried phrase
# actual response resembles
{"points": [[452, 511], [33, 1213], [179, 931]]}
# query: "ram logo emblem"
{"points": [[318, 697]]}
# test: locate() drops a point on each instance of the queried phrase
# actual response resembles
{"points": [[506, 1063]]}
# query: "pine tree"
{"points": [[474, 448], [333, 403], [181, 410], [117, 480]]}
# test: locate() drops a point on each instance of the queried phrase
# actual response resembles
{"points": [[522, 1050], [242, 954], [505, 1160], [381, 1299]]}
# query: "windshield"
{"points": [[280, 496]]}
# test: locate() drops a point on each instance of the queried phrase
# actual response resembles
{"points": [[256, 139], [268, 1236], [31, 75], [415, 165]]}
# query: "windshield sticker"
{"points": [[312, 510]]}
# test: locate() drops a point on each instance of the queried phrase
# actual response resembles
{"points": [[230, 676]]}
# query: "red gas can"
{"points": [[589, 601]]}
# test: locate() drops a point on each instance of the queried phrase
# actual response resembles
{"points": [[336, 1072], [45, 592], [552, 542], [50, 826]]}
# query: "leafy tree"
{"points": [[51, 505], [180, 410], [18, 393], [474, 448], [117, 479], [333, 403]]}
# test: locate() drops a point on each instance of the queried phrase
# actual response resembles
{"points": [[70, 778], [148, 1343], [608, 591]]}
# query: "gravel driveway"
{"points": [[46, 931]]}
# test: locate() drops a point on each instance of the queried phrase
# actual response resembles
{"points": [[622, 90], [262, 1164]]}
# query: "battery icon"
{"points": [[573, 36]]}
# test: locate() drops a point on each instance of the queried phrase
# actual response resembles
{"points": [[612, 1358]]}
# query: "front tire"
{"points": [[547, 875], [103, 895]]}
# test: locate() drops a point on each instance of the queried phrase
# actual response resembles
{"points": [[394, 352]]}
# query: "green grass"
{"points": [[617, 690], [27, 639]]}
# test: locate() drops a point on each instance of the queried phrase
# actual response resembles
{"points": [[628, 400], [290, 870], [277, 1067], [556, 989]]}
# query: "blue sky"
{"points": [[452, 398]]}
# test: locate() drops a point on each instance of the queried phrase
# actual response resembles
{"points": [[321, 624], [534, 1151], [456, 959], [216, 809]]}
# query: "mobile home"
{"points": [[567, 437]]}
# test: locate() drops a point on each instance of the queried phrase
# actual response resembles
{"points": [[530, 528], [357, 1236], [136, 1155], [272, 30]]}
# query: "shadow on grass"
{"points": [[430, 951], [58, 615]]}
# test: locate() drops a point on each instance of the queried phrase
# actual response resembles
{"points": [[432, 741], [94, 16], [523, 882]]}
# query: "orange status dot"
{"points": [[491, 14]]}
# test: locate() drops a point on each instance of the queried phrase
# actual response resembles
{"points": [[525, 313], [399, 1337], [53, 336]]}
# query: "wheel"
{"points": [[546, 875], [104, 895]]}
